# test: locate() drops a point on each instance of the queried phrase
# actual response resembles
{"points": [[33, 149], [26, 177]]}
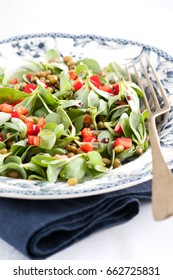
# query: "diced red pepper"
{"points": [[41, 122], [29, 119], [6, 108], [118, 128], [22, 110], [86, 132], [28, 76], [14, 81], [29, 88], [87, 148], [95, 81], [87, 119], [33, 140], [116, 88], [125, 142], [77, 84], [72, 75], [15, 115], [1, 137], [90, 139], [36, 129], [30, 128], [106, 88]]}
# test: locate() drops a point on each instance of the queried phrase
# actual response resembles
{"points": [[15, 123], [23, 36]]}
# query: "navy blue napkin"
{"points": [[39, 229]]}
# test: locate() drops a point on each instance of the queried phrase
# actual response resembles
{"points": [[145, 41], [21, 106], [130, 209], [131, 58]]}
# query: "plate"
{"points": [[104, 50]]}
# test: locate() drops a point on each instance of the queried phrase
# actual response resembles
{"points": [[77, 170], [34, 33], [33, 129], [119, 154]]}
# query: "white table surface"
{"points": [[146, 21]]}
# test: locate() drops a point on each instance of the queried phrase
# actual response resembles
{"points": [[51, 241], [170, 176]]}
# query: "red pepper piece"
{"points": [[90, 139], [125, 142], [95, 81], [6, 108], [87, 119], [118, 128], [29, 88], [29, 119], [28, 76], [41, 122], [86, 132], [77, 84], [106, 89], [15, 115], [14, 81], [87, 148], [72, 75], [116, 88], [33, 140], [30, 128], [22, 110]]}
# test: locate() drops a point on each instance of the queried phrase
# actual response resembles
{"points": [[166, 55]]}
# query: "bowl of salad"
{"points": [[71, 123]]}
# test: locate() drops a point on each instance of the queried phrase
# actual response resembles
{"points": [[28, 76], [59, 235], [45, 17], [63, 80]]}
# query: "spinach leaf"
{"points": [[47, 139], [11, 95], [65, 82], [52, 54], [91, 63], [76, 167], [4, 117]]}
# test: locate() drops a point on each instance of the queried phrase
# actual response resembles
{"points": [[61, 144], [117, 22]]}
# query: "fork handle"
{"points": [[162, 192]]}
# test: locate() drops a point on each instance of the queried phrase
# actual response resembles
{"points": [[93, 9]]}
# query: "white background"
{"points": [[149, 22]]}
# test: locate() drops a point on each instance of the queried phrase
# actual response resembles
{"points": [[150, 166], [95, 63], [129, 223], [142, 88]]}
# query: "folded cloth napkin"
{"points": [[41, 228]]}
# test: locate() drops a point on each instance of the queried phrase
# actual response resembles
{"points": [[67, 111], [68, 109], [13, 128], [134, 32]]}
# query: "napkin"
{"points": [[40, 228]]}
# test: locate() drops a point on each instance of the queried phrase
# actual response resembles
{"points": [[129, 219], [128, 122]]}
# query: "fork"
{"points": [[162, 180]]}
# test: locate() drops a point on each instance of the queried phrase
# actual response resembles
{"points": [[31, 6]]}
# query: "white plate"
{"points": [[104, 50]]}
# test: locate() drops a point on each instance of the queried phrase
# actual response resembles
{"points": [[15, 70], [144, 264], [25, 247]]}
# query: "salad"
{"points": [[69, 120]]}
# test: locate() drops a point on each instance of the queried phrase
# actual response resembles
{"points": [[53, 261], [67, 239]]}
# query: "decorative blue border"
{"points": [[122, 41]]}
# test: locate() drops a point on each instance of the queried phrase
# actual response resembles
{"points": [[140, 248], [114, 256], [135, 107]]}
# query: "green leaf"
{"points": [[105, 134], [17, 125], [78, 123], [4, 117], [135, 120], [91, 63], [12, 158], [125, 125], [30, 166], [101, 93], [117, 69], [70, 103], [95, 158], [52, 173], [47, 139], [65, 82], [17, 145], [137, 89], [65, 120], [11, 95], [13, 166], [80, 68], [82, 95], [52, 54], [48, 97], [76, 167], [29, 102], [93, 99]]}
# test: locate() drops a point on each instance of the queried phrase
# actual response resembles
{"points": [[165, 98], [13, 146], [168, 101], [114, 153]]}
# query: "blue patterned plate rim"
{"points": [[91, 36]]}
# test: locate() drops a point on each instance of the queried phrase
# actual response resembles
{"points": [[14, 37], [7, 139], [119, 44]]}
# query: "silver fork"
{"points": [[162, 181]]}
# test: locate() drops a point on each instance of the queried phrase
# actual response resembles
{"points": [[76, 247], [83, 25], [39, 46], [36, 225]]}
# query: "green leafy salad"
{"points": [[66, 120]]}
